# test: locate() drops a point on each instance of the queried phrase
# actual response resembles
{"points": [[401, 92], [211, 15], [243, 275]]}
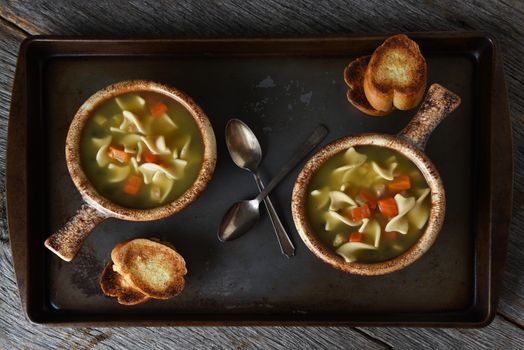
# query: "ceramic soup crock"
{"points": [[95, 208], [410, 142]]}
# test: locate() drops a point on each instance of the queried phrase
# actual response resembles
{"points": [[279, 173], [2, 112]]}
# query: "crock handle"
{"points": [[439, 102], [67, 241]]}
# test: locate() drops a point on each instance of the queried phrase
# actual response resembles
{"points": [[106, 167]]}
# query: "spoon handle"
{"points": [[313, 140], [283, 237]]}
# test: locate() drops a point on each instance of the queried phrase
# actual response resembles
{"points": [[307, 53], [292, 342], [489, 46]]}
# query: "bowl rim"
{"points": [[105, 205], [328, 255]]}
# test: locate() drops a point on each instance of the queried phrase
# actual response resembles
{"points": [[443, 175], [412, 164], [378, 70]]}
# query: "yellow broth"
{"points": [[173, 124], [364, 177]]}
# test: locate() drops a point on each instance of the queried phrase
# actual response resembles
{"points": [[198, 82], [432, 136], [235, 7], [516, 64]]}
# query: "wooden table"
{"points": [[503, 18]]}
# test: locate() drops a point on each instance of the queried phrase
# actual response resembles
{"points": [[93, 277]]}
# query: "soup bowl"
{"points": [[95, 207], [410, 142]]}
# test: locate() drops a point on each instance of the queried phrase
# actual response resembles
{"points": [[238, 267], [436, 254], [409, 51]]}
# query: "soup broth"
{"points": [[141, 150], [368, 203]]}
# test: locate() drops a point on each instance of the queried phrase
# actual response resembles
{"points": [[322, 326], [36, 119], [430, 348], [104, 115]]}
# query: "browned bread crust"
{"points": [[395, 75], [156, 269], [114, 285], [354, 78]]}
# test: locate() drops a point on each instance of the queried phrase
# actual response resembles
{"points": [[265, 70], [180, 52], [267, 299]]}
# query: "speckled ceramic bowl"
{"points": [[68, 240], [410, 142]]}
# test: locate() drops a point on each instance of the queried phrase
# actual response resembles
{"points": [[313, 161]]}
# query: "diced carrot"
{"points": [[400, 183], [368, 198], [355, 237], [390, 235], [118, 154], [361, 212], [133, 184], [388, 207], [150, 157], [158, 109]]}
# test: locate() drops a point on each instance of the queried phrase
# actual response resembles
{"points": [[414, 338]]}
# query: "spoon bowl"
{"points": [[243, 215], [243, 145], [245, 150], [239, 218]]}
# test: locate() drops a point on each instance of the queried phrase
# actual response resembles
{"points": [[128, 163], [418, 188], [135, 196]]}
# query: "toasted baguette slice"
{"points": [[114, 285], [354, 78], [154, 268], [396, 75]]}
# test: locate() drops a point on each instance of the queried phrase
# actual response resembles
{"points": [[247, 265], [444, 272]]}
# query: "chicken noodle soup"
{"points": [[141, 150], [369, 203]]}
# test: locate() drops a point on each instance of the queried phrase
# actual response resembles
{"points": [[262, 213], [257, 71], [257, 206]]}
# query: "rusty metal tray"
{"points": [[283, 88]]}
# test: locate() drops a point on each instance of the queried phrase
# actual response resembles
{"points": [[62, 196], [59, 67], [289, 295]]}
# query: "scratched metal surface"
{"points": [[283, 99]]}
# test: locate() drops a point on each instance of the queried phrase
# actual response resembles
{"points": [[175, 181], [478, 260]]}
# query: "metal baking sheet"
{"points": [[282, 88]]}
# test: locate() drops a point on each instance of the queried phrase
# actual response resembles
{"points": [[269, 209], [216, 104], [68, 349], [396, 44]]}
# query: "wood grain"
{"points": [[500, 334], [503, 18], [194, 338]]}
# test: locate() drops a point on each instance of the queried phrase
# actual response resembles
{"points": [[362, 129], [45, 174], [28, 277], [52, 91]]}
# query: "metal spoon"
{"points": [[245, 151], [244, 214]]}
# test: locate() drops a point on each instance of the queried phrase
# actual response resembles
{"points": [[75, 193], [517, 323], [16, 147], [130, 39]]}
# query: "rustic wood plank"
{"points": [[500, 334], [10, 39], [511, 303], [192, 338], [269, 18]]}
